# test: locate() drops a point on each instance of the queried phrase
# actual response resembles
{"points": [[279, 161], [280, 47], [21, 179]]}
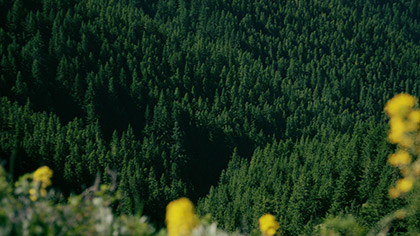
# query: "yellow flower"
{"points": [[413, 121], [414, 116], [43, 175], [397, 132], [396, 129], [404, 185], [400, 105], [400, 158], [180, 217], [268, 225], [32, 194]]}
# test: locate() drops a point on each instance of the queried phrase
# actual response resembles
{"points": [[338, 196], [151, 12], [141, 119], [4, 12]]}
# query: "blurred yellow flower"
{"points": [[43, 175], [414, 116], [404, 124], [413, 121], [396, 129], [400, 105], [397, 132], [268, 225], [32, 194], [400, 158], [180, 217], [41, 180], [404, 185]]}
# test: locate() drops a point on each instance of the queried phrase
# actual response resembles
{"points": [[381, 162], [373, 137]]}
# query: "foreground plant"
{"points": [[28, 208], [404, 122], [41, 180]]}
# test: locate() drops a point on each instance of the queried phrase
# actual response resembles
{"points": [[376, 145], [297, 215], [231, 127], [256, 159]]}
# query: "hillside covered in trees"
{"points": [[246, 107]]}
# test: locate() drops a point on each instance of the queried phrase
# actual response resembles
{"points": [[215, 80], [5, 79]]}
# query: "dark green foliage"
{"points": [[286, 97]]}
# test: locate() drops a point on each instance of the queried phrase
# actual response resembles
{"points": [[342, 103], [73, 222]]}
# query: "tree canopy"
{"points": [[244, 106]]}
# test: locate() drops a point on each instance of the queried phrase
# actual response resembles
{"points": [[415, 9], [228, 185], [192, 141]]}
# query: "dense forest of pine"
{"points": [[244, 106]]}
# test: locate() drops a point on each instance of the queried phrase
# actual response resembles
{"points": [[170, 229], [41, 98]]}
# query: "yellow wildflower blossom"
{"points": [[404, 124], [268, 225], [400, 158], [43, 175], [32, 194], [413, 121], [414, 116], [400, 105], [396, 129], [405, 185], [180, 217]]}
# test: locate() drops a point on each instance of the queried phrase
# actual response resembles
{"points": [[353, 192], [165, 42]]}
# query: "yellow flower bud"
{"points": [[43, 175], [400, 158], [405, 185], [180, 217], [414, 116], [412, 123], [268, 225], [397, 130], [400, 105], [32, 194]]}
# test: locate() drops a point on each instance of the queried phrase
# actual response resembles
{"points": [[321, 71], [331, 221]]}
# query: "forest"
{"points": [[245, 107]]}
